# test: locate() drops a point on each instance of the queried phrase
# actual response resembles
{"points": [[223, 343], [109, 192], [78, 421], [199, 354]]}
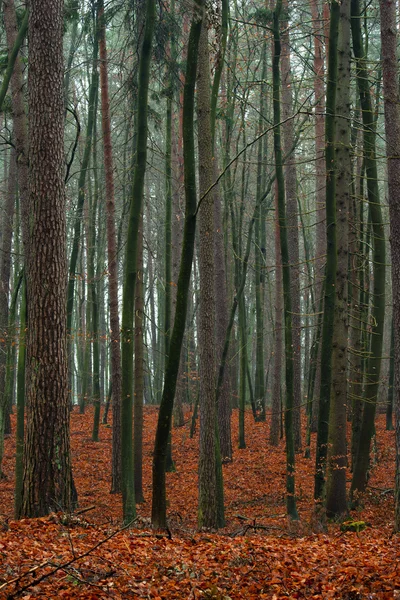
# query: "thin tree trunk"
{"points": [[139, 374], [289, 371], [112, 259], [330, 270], [373, 365], [159, 501], [292, 224], [128, 491]]}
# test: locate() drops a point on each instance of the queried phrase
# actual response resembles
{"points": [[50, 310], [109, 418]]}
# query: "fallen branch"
{"points": [[59, 567]]}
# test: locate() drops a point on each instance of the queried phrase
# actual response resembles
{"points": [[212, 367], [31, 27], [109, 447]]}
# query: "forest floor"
{"points": [[258, 554]]}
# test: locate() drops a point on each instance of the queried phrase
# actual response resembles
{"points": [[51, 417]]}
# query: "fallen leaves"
{"points": [[265, 558]]}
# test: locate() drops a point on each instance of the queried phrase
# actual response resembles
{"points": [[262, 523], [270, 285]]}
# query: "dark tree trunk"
{"points": [[392, 128]]}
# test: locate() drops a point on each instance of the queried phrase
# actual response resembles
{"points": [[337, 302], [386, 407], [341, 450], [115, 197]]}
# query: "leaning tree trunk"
{"points": [[47, 457], [392, 128]]}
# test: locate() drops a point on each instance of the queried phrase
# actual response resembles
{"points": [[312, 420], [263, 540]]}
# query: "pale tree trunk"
{"points": [[112, 259], [292, 225], [392, 128], [336, 502], [208, 514], [47, 458]]}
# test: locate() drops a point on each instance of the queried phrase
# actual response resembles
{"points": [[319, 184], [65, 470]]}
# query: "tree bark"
{"points": [[159, 500], [336, 503], [208, 515], [392, 128], [112, 258], [128, 492], [47, 458]]}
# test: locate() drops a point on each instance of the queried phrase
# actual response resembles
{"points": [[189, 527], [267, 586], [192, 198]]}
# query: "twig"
{"points": [[60, 567]]}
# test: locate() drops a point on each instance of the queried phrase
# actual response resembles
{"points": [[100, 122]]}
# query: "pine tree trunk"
{"points": [[47, 459]]}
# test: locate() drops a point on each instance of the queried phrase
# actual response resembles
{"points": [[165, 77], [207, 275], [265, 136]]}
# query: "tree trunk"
{"points": [[139, 374], [330, 269], [320, 180], [47, 458], [392, 128], [159, 500], [112, 259], [128, 491], [208, 515], [289, 371], [278, 339], [373, 366], [5, 272], [292, 224], [336, 503]]}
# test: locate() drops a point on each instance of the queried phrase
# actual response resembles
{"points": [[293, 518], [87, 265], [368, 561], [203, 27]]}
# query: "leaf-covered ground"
{"points": [[258, 555]]}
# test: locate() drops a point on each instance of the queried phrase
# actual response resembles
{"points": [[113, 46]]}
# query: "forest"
{"points": [[199, 299]]}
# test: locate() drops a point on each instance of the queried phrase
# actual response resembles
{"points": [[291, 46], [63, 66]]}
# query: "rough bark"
{"points": [[47, 459], [208, 514]]}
